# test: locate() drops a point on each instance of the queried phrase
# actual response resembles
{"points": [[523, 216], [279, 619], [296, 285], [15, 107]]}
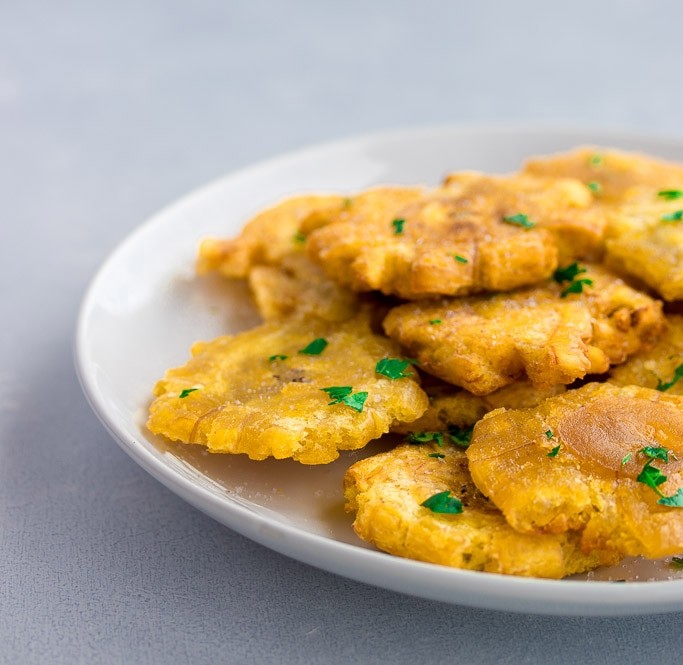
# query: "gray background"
{"points": [[109, 111]]}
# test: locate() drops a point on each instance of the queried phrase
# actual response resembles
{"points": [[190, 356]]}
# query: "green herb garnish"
{"points": [[677, 562], [443, 503], [520, 219], [626, 459], [347, 202], [576, 287], [568, 273], [299, 238], [595, 160], [678, 374], [674, 501], [356, 401], [460, 437], [186, 391], [676, 216], [670, 194], [435, 322], [398, 226], [595, 187], [460, 259], [277, 356], [554, 451], [393, 368], [549, 434], [345, 395], [315, 348], [652, 477], [656, 452], [426, 437], [337, 393], [437, 455]]}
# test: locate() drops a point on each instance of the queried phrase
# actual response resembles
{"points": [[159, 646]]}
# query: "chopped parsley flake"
{"points": [[674, 501], [554, 451], [435, 322], [393, 368], [460, 437], [277, 356], [549, 434], [595, 160], [443, 503], [626, 459], [676, 216], [677, 562], [595, 187], [437, 455], [678, 374], [656, 452], [398, 226], [652, 477], [568, 273], [338, 393], [315, 348], [460, 259], [520, 219], [345, 395], [299, 238], [356, 401], [425, 437], [186, 391], [347, 202], [670, 194], [576, 287]]}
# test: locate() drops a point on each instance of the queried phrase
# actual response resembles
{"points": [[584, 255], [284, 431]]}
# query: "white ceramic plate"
{"points": [[145, 307]]}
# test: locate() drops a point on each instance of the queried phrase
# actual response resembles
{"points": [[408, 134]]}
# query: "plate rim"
{"points": [[471, 588]]}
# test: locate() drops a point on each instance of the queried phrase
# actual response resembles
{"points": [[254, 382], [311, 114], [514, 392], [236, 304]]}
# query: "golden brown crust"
{"points": [[247, 399], [631, 197], [590, 484], [485, 343], [656, 366], [267, 237], [615, 176], [386, 492], [645, 240], [562, 206], [297, 286], [450, 406], [455, 240]]}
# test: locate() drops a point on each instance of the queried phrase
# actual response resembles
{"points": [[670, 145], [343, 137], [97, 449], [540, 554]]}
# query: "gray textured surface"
{"points": [[108, 111]]}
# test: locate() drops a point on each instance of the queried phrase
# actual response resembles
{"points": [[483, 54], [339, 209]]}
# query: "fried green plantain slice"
{"points": [[602, 460], [660, 367], [553, 334], [388, 491], [303, 388], [475, 233], [269, 236]]}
